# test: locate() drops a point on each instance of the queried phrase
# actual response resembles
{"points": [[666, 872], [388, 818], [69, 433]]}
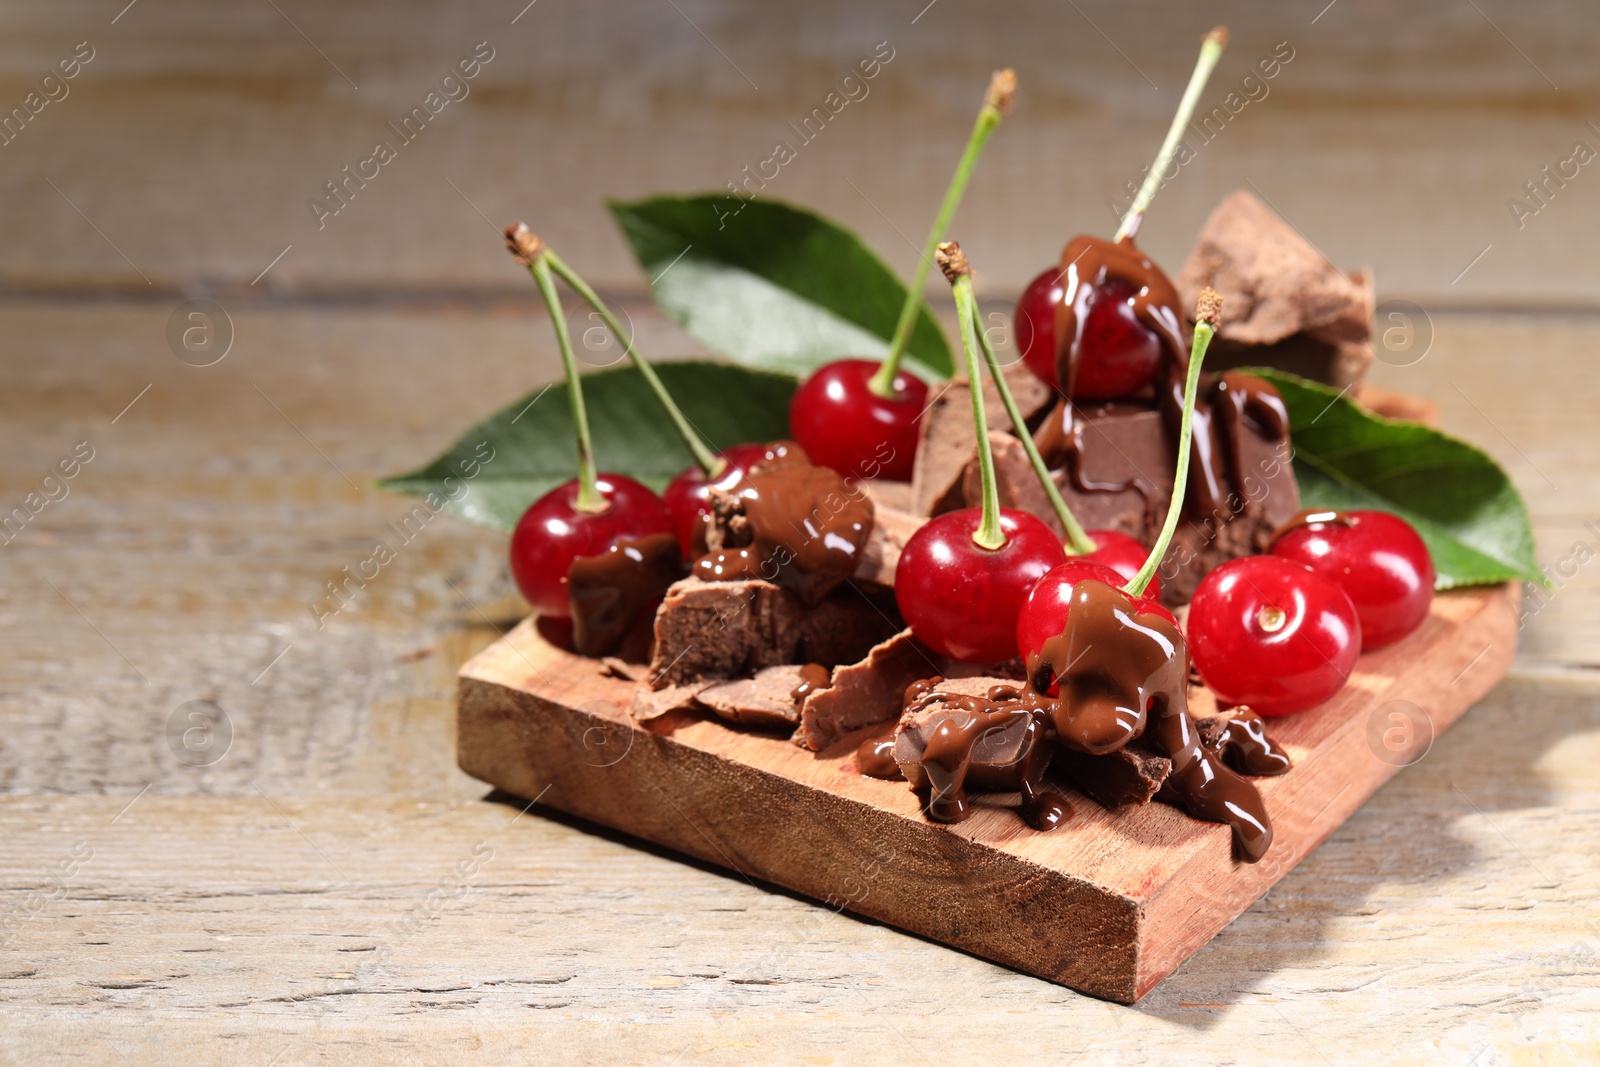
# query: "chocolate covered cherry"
{"points": [[1044, 612], [688, 496], [1272, 633], [552, 533], [1375, 557]]}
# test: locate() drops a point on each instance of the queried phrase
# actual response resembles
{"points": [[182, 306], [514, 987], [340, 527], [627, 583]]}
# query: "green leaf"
{"points": [[1459, 499], [772, 285], [506, 462]]}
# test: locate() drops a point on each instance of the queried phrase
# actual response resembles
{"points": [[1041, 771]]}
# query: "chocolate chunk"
{"points": [[653, 703], [998, 754], [1284, 304], [946, 442], [721, 630], [766, 700], [891, 529], [865, 692], [1015, 480], [1131, 775], [1239, 736]]}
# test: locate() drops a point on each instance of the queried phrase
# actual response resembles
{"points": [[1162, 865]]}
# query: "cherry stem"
{"points": [[996, 102], [1210, 51], [988, 534], [589, 499], [709, 461], [1078, 542], [1210, 305]]}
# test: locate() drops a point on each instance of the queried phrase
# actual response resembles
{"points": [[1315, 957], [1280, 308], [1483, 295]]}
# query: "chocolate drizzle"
{"points": [[875, 759], [1234, 413], [616, 592], [1123, 677], [798, 525], [1240, 738], [813, 676]]}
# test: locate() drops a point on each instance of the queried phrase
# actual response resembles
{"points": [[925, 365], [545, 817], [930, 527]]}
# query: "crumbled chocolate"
{"points": [[1285, 304], [765, 700], [654, 703], [1130, 775]]}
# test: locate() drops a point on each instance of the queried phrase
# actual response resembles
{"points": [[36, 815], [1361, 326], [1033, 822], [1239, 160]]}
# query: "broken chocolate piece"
{"points": [[766, 700], [614, 595], [865, 692], [1287, 306], [891, 529], [1239, 736], [1130, 775], [945, 440], [653, 703], [721, 630], [801, 526]]}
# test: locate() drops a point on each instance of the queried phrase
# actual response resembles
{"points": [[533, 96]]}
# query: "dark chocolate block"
{"points": [[996, 757], [946, 441], [1130, 775]]}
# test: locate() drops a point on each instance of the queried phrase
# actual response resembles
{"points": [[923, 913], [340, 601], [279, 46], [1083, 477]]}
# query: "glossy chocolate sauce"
{"points": [[1123, 676], [1244, 745], [1232, 411], [875, 759], [798, 525], [1312, 517], [618, 590], [813, 676]]}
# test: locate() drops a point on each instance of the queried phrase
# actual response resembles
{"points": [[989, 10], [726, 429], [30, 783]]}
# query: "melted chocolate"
{"points": [[875, 759], [1246, 408], [616, 592], [1243, 744], [1123, 676], [1313, 517], [798, 525], [813, 676]]}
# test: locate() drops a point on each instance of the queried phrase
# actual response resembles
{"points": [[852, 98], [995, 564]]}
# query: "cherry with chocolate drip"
{"points": [[1044, 612], [688, 496], [1097, 326], [859, 417]]}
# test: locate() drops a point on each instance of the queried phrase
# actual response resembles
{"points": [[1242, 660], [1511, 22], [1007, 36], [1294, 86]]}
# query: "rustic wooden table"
{"points": [[320, 883]]}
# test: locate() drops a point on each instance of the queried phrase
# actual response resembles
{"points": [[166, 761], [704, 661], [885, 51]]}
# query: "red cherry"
{"points": [[687, 496], [1124, 555], [962, 600], [1117, 354], [552, 533], [1272, 633], [845, 425], [1044, 613], [1034, 324], [1377, 559]]}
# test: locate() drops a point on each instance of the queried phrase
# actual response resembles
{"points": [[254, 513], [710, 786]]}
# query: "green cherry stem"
{"points": [[954, 264], [1210, 306], [1211, 47], [996, 102], [1078, 542], [709, 461], [531, 253]]}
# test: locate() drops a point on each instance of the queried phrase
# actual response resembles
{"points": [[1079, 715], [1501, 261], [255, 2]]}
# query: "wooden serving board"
{"points": [[1109, 904]]}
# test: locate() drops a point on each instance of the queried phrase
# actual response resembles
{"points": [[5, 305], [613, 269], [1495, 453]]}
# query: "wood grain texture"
{"points": [[1394, 138], [1448, 915]]}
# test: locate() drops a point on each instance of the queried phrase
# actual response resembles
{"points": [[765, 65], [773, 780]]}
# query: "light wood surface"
{"points": [[1450, 920]]}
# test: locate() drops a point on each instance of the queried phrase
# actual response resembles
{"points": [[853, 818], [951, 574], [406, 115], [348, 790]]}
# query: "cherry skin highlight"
{"points": [[687, 496], [1124, 555], [1377, 559], [843, 424], [962, 600], [552, 533], [1272, 633]]}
